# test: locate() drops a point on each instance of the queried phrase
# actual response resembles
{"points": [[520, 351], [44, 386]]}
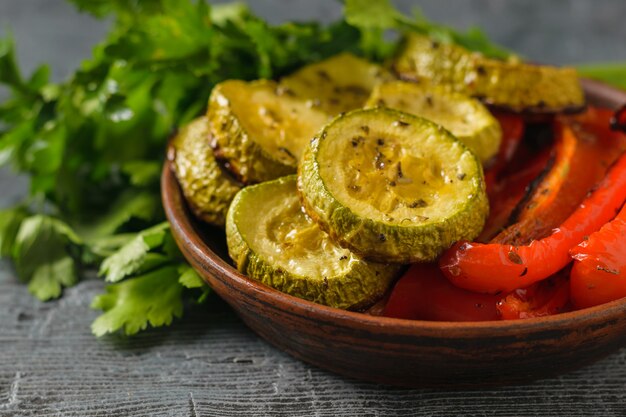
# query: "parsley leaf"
{"points": [[369, 14], [150, 262], [136, 255], [10, 221], [374, 17], [9, 73], [43, 253], [143, 205], [50, 277], [189, 278], [154, 298], [101, 8]]}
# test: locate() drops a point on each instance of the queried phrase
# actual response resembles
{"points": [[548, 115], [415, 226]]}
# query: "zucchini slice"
{"points": [[391, 186], [511, 84], [259, 132], [207, 187], [284, 249], [337, 84], [465, 117]]}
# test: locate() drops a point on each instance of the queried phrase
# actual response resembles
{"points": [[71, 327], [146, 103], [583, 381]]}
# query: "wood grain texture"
{"points": [[210, 364]]}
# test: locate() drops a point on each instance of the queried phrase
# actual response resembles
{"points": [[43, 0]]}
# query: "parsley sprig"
{"points": [[93, 146]]}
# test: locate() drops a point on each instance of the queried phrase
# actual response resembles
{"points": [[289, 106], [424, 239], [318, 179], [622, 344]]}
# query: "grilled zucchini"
{"points": [[259, 132], [465, 117], [338, 84], [391, 186], [285, 250], [512, 84], [206, 186]]}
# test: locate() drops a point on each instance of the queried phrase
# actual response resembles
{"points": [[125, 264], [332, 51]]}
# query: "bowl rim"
{"points": [[185, 232]]}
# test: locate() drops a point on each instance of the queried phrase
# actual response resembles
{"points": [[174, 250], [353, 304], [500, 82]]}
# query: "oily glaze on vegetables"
{"points": [[510, 84], [585, 148], [599, 271], [271, 240], [258, 130], [465, 117], [494, 268], [391, 186], [208, 188], [338, 84]]}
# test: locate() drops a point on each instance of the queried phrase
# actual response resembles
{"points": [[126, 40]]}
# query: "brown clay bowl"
{"points": [[395, 351]]}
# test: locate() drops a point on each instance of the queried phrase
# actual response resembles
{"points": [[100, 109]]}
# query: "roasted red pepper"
{"points": [[495, 268], [505, 196], [585, 148], [423, 293], [512, 132], [599, 272], [547, 297]]}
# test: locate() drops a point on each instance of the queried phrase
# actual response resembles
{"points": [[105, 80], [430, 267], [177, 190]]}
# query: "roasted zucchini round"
{"points": [[207, 187], [465, 117], [512, 84], [271, 240], [391, 186], [259, 132], [337, 84]]}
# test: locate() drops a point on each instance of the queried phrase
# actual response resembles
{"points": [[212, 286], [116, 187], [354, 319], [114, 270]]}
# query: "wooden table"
{"points": [[210, 364]]}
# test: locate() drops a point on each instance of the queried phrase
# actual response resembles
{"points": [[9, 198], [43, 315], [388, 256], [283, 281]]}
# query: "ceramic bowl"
{"points": [[396, 351]]}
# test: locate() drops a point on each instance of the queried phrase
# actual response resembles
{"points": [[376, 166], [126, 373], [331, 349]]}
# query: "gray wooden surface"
{"points": [[210, 364]]}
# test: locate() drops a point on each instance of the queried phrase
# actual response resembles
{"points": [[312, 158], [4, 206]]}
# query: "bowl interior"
{"points": [[210, 243], [398, 351]]}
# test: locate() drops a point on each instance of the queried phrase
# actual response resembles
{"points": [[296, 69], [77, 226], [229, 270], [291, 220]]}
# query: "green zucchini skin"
{"points": [[338, 84], [383, 241], [206, 186], [361, 283], [465, 117], [511, 84], [230, 104]]}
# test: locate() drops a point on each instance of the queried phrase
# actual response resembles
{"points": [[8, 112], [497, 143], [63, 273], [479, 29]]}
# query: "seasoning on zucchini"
{"points": [[258, 131], [391, 186], [337, 84], [465, 117], [512, 84], [284, 249], [208, 188]]}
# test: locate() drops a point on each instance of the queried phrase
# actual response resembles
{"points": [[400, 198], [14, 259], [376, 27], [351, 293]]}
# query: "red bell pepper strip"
{"points": [[495, 268], [423, 293], [599, 272], [505, 196], [512, 132], [585, 148], [545, 298]]}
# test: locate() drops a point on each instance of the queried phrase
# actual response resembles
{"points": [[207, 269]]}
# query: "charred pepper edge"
{"points": [[505, 276]]}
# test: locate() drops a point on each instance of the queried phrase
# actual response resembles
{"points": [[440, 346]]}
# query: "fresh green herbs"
{"points": [[151, 280], [612, 73], [375, 17], [153, 298], [93, 146], [43, 248]]}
